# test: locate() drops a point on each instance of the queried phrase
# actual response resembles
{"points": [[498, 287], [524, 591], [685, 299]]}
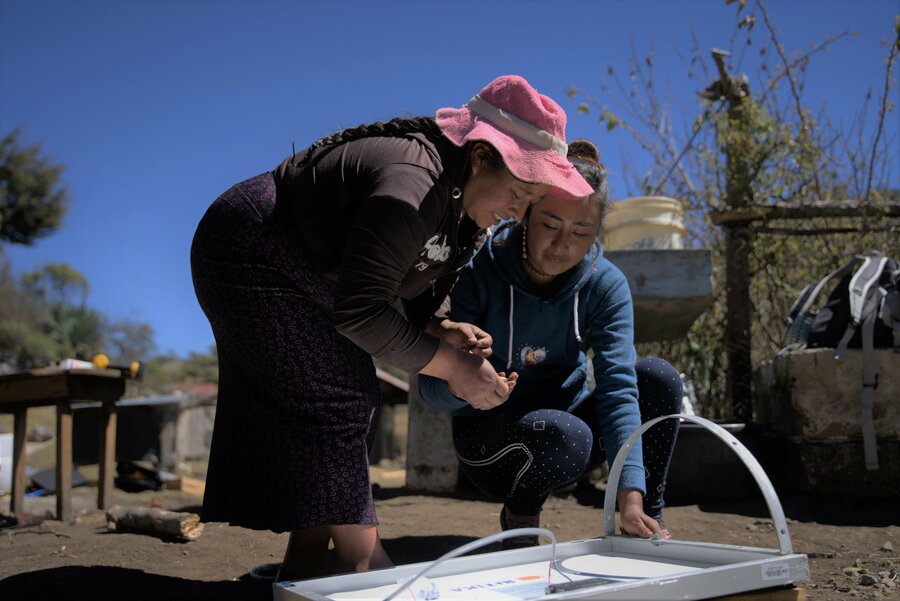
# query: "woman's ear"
{"points": [[478, 156]]}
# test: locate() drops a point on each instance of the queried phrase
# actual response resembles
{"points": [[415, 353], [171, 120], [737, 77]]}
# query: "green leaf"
{"points": [[572, 92], [611, 121], [583, 108]]}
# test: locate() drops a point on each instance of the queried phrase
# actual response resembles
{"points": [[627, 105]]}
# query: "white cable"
{"points": [[475, 545]]}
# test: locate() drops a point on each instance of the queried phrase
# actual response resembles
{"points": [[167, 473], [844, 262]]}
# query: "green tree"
{"points": [[23, 341], [128, 340], [33, 198], [165, 373], [61, 291], [57, 284]]}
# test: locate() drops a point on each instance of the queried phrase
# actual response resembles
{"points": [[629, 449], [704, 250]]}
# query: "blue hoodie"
{"points": [[544, 340]]}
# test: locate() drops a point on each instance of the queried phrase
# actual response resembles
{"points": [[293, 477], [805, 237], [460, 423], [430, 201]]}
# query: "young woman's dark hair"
{"points": [[586, 158]]}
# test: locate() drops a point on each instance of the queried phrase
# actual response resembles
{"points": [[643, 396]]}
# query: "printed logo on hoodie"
{"points": [[436, 250], [532, 356]]}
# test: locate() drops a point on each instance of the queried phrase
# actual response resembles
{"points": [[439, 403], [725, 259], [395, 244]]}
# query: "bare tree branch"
{"points": [[883, 109]]}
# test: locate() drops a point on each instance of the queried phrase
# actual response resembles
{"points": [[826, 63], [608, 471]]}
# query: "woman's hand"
{"points": [[463, 336], [470, 376], [632, 517], [480, 386]]}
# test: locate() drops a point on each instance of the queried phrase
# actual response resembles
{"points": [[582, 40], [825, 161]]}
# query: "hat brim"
{"points": [[525, 160]]}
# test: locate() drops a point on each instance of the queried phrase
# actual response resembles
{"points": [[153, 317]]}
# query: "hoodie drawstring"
{"points": [[575, 314], [512, 320]]}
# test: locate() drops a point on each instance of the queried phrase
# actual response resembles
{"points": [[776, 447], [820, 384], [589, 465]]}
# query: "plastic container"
{"points": [[645, 222]]}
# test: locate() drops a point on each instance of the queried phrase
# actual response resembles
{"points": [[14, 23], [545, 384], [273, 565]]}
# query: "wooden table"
{"points": [[62, 387]]}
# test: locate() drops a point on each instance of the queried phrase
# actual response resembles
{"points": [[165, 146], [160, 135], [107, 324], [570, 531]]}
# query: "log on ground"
{"points": [[150, 520]]}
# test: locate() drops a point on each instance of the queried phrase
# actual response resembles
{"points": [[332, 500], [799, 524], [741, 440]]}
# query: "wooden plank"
{"points": [[391, 379], [192, 486], [16, 390], [47, 386], [830, 208], [92, 385], [789, 594], [107, 454], [63, 461], [20, 431]]}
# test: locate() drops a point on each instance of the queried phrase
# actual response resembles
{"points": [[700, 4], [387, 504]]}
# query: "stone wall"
{"points": [[811, 401]]}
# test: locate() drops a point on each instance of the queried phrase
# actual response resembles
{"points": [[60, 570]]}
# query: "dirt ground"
{"points": [[852, 547]]}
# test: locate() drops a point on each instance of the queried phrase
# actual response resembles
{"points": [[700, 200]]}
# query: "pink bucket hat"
{"points": [[528, 129]]}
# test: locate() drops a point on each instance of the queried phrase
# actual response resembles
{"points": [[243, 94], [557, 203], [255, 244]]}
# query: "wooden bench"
{"points": [[60, 388]]}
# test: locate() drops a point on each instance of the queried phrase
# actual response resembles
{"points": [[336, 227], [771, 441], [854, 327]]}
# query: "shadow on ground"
{"points": [[831, 511], [102, 583], [821, 510]]}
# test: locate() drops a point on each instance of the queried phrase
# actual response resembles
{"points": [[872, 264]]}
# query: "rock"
{"points": [[887, 546], [867, 580]]}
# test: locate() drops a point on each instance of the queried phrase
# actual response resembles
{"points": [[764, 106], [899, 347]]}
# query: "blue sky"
{"points": [[156, 107]]}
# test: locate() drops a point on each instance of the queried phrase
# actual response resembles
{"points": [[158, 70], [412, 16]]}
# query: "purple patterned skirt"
{"points": [[298, 403]]}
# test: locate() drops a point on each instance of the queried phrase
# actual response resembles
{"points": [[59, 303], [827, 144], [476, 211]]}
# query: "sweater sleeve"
{"points": [[436, 393], [611, 327], [433, 303], [383, 243]]}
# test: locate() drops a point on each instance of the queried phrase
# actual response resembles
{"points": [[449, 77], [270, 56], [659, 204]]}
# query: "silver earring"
{"points": [[596, 254], [524, 245]]}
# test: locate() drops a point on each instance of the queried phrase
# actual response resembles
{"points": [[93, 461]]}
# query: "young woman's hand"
{"points": [[463, 336], [480, 386], [632, 517]]}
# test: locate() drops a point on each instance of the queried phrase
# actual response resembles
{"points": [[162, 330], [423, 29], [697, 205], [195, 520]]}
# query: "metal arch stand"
{"points": [[765, 485]]}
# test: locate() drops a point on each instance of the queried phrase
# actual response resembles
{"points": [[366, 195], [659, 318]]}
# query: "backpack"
{"points": [[862, 311]]}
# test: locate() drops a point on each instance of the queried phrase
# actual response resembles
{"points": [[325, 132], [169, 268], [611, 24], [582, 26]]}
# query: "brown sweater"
{"points": [[379, 217]]}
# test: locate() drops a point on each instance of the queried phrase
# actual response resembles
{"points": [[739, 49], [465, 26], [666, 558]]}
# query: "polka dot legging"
{"points": [[521, 456]]}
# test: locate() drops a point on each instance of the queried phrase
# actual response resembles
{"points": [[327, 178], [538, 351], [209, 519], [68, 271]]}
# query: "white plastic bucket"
{"points": [[6, 447], [645, 222]]}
